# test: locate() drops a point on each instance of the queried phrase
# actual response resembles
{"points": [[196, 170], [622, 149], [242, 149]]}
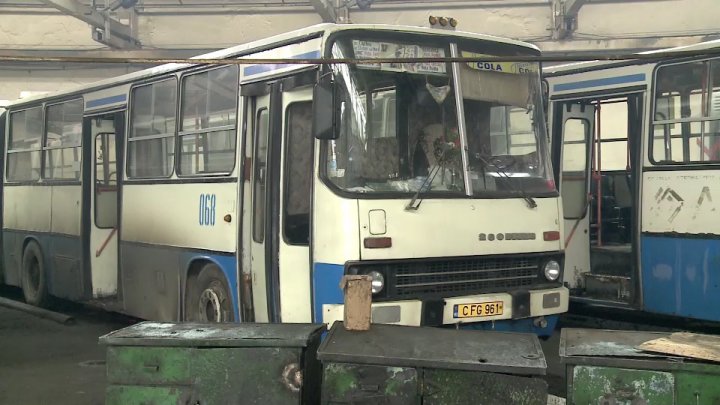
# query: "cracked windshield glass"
{"points": [[398, 124]]}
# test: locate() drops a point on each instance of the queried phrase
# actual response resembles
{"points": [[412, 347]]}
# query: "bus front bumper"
{"points": [[450, 310]]}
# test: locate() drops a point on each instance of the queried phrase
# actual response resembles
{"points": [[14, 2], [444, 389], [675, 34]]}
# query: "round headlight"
{"points": [[552, 270], [378, 281]]}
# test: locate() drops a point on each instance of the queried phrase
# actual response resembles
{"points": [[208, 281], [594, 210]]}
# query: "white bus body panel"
{"points": [[681, 201], [168, 215], [425, 231], [65, 209], [27, 208]]}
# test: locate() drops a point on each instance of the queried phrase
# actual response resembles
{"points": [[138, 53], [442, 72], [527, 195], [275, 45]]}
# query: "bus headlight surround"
{"points": [[378, 281], [552, 270]]}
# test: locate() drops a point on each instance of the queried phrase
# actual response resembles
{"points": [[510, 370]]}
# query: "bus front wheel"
{"points": [[208, 298], [34, 280]]}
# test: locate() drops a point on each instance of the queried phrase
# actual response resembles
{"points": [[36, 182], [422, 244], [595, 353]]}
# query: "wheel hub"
{"points": [[210, 307]]}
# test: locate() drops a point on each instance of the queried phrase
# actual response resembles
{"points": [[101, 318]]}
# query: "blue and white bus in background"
{"points": [[637, 147], [244, 192]]}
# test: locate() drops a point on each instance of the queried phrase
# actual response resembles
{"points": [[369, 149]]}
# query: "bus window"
{"points": [[614, 134], [262, 127], [151, 139], [105, 181], [298, 173], [685, 102], [207, 122], [574, 166], [63, 134], [23, 156]]}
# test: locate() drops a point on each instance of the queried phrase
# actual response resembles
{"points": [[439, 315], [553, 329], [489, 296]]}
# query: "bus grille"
{"points": [[457, 277]]}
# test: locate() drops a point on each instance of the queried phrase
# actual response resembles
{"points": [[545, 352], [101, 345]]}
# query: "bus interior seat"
{"points": [[385, 158]]}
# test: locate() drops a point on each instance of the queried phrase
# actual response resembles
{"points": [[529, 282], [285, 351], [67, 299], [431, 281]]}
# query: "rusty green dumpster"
{"points": [[603, 367], [165, 363], [392, 364]]}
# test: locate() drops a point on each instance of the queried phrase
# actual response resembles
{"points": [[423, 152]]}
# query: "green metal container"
{"points": [[604, 368], [408, 365], [164, 363]]}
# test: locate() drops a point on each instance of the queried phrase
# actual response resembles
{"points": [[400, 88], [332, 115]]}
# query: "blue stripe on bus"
{"points": [[228, 265], [269, 67], [681, 276], [120, 98], [326, 287], [607, 81]]}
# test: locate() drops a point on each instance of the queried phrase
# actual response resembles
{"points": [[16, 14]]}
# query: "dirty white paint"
{"points": [[553, 400], [681, 201]]}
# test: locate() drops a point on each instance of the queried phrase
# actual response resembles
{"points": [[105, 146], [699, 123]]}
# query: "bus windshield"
{"points": [[399, 124]]}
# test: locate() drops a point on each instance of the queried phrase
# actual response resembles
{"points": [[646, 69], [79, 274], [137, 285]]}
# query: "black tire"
{"points": [[208, 297], [34, 278]]}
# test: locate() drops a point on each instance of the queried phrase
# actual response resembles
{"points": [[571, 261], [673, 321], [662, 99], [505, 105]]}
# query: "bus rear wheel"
{"points": [[208, 298], [34, 280]]}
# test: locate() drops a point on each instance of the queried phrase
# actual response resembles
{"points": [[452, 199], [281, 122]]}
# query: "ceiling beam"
{"points": [[326, 10], [105, 29]]}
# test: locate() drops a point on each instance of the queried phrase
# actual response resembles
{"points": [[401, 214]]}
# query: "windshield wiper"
{"points": [[411, 206], [503, 174]]}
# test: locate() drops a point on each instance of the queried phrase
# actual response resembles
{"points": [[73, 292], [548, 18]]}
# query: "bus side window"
{"points": [[298, 173], [23, 150], [151, 139]]}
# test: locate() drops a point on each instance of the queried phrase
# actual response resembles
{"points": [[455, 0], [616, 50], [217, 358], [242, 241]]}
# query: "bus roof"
{"points": [[600, 64], [261, 45]]}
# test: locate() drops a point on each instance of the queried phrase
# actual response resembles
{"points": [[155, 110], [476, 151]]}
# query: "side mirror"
{"points": [[323, 123]]}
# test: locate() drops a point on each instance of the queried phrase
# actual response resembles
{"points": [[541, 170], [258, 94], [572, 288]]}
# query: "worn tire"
{"points": [[208, 297], [34, 278]]}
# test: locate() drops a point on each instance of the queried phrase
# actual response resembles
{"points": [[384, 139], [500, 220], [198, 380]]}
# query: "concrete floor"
{"points": [[43, 362]]}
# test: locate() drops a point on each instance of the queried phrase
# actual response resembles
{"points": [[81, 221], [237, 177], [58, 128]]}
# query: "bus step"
{"points": [[613, 260], [607, 286]]}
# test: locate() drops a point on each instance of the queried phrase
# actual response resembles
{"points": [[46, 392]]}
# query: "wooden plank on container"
{"points": [[358, 301], [692, 345]]}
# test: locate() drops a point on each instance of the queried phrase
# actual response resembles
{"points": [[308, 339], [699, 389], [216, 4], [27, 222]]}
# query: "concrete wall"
{"points": [[164, 24]]}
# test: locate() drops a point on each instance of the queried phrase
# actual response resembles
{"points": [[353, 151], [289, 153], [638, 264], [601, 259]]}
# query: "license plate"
{"points": [[479, 309]]}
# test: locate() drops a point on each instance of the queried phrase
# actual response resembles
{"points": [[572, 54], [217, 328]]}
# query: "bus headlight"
{"points": [[378, 281], [552, 270]]}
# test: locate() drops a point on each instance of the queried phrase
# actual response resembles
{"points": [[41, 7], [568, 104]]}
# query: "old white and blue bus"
{"points": [[244, 192], [638, 152]]}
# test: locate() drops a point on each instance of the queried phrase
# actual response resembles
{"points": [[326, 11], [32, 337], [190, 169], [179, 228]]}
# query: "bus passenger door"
{"points": [[102, 188], [276, 208], [575, 124], [257, 123], [296, 179]]}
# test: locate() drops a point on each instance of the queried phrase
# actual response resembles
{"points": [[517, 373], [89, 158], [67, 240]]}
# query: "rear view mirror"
{"points": [[323, 124]]}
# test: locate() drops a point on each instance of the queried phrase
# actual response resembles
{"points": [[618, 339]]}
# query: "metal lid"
{"points": [[610, 343], [215, 335], [409, 346]]}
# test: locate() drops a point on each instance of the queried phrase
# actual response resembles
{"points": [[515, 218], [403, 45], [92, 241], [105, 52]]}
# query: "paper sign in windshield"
{"points": [[500, 67], [374, 50]]}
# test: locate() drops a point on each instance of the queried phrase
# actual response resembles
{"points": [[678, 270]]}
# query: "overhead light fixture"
{"points": [[442, 21]]}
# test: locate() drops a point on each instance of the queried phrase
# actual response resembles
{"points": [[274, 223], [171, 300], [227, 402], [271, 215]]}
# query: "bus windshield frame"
{"points": [[499, 151]]}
